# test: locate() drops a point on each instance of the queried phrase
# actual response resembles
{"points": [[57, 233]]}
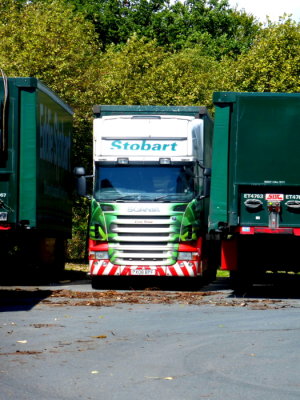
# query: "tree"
{"points": [[49, 41], [52, 42], [273, 62], [141, 72], [116, 20], [210, 23], [122, 71], [215, 26]]}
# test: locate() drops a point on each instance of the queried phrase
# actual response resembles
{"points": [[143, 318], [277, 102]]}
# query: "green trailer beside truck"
{"points": [[255, 187], [35, 173]]}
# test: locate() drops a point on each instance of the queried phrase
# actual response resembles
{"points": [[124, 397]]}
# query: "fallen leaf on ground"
{"points": [[100, 337]]}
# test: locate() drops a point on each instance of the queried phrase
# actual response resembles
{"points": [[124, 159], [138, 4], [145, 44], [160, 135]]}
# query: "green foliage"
{"points": [[218, 28], [178, 25], [77, 246], [273, 62], [122, 71], [185, 78], [142, 72], [48, 41], [115, 21]]}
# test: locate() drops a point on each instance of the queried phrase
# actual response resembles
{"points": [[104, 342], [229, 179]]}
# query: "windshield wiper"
{"points": [[134, 196], [167, 196], [126, 197]]}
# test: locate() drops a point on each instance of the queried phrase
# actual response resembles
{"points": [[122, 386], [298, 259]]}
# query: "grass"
{"points": [[222, 274], [77, 267]]}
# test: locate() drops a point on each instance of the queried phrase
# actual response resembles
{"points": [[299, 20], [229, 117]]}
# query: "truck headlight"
{"points": [[99, 255], [184, 255]]}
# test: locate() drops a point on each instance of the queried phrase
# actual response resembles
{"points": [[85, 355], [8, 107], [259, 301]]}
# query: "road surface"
{"points": [[66, 341]]}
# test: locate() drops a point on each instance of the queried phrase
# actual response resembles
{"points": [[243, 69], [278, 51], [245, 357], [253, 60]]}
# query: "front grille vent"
{"points": [[143, 240]]}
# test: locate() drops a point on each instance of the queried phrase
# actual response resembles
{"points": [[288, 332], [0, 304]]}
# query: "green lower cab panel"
{"points": [[145, 232]]}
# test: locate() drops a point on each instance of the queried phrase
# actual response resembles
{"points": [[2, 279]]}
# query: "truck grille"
{"points": [[144, 240]]}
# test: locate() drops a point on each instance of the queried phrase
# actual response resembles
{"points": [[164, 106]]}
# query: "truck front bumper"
{"points": [[179, 269]]}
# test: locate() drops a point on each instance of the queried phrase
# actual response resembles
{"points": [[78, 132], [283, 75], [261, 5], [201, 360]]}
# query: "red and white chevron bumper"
{"points": [[180, 269]]}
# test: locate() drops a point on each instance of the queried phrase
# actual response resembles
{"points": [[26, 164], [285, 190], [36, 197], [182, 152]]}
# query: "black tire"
{"points": [[210, 275], [212, 253], [59, 255], [51, 257], [240, 282]]}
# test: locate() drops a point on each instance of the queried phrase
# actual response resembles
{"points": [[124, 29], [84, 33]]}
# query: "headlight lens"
{"points": [[184, 255], [99, 255]]}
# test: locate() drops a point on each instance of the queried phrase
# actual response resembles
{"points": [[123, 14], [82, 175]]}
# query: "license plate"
{"points": [[143, 272]]}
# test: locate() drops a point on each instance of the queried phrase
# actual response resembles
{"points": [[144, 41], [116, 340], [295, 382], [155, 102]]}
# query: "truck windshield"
{"points": [[144, 183]]}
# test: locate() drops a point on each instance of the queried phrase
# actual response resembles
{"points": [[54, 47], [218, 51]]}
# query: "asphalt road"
{"points": [[65, 341]]}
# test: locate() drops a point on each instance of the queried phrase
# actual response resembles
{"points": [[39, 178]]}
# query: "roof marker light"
{"points": [[165, 161], [123, 161]]}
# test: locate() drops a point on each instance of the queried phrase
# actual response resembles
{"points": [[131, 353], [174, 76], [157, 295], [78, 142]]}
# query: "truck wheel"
{"points": [[52, 256], [210, 275], [211, 260], [240, 282]]}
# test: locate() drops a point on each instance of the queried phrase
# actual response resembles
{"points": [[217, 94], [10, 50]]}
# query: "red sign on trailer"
{"points": [[274, 197]]}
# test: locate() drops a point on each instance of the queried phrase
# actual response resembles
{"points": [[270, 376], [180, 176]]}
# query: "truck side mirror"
{"points": [[207, 172], [80, 177], [206, 183]]}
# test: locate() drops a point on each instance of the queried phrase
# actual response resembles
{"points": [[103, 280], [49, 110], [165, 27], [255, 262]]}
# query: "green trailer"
{"points": [[255, 187], [35, 173]]}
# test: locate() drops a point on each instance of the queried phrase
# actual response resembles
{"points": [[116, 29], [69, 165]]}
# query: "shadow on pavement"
{"points": [[150, 283], [22, 291], [38, 278], [272, 286], [21, 300]]}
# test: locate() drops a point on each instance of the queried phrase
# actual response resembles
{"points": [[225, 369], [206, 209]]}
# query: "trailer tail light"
{"points": [[280, 231], [251, 230]]}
